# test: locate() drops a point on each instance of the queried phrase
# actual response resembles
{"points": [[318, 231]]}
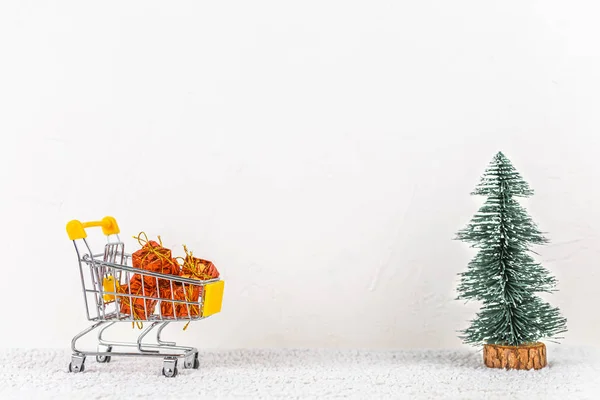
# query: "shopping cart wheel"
{"points": [[170, 373], [77, 364], [170, 367], [72, 368], [191, 361], [104, 359]]}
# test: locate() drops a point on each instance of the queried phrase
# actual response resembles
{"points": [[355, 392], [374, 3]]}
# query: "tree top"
{"points": [[501, 178]]}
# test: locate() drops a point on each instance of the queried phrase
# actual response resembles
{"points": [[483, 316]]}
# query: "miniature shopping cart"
{"points": [[103, 277]]}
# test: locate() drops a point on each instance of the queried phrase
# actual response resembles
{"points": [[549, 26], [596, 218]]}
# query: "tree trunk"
{"points": [[515, 357]]}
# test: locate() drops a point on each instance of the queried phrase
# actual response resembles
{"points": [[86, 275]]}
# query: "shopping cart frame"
{"points": [[103, 305]]}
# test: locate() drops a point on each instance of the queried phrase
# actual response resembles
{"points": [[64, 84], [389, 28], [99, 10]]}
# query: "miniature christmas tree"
{"points": [[505, 278]]}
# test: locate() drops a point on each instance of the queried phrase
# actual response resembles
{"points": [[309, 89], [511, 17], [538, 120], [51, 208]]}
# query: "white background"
{"points": [[321, 153]]}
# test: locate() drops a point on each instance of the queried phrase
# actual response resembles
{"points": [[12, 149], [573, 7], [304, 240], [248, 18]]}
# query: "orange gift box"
{"points": [[197, 268], [155, 258], [191, 294], [135, 285]]}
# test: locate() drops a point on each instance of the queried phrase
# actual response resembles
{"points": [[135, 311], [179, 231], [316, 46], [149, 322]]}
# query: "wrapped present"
{"points": [[149, 250], [134, 306], [196, 288], [177, 307], [156, 258], [166, 307], [197, 268]]}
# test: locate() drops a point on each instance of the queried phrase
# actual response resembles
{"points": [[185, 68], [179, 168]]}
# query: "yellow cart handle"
{"points": [[76, 229]]}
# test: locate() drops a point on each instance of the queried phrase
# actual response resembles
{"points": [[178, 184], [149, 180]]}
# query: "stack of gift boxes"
{"points": [[174, 297]]}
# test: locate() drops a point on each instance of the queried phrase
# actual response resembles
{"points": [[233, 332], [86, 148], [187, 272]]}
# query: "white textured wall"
{"points": [[320, 153]]}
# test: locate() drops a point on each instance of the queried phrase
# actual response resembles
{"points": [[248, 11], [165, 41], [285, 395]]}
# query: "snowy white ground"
{"points": [[574, 373]]}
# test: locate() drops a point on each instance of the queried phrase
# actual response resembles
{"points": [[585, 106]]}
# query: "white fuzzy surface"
{"points": [[574, 373]]}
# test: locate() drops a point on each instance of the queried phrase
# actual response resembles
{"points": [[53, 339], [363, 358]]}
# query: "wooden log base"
{"points": [[526, 357]]}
